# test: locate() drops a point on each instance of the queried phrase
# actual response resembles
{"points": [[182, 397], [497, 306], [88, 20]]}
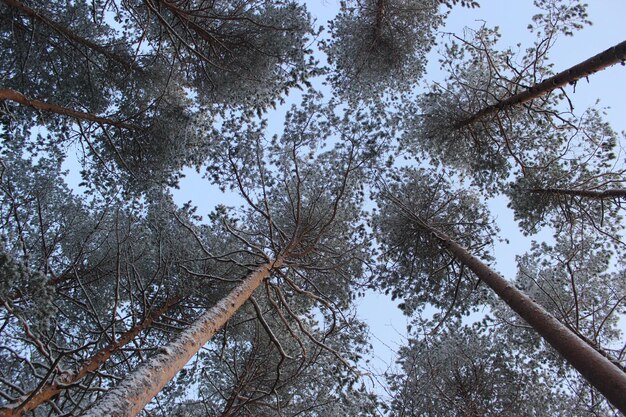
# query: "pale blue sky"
{"points": [[387, 324], [512, 16]]}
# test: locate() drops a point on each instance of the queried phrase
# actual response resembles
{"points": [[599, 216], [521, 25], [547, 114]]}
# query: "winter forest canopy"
{"points": [[117, 300]]}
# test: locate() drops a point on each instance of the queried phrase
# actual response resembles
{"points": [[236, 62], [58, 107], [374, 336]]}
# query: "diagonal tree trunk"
{"points": [[131, 395], [611, 56], [597, 195], [45, 393], [599, 371], [12, 95]]}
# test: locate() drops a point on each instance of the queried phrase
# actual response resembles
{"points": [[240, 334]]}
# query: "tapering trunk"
{"points": [[597, 369], [45, 393], [611, 56], [67, 33], [12, 95], [131, 395], [597, 195]]}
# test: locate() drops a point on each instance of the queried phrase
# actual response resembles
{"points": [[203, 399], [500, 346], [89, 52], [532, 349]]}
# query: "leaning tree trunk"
{"points": [[597, 369], [593, 194], [45, 393], [131, 395], [611, 56], [16, 96]]}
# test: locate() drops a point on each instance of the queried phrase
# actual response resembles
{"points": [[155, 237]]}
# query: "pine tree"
{"points": [[468, 371], [599, 371], [115, 298]]}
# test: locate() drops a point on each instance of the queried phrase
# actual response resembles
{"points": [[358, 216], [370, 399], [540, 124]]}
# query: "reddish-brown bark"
{"points": [[611, 56], [599, 371], [131, 395], [49, 391], [12, 95]]}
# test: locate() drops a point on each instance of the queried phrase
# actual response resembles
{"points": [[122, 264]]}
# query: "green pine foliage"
{"points": [[376, 167]]}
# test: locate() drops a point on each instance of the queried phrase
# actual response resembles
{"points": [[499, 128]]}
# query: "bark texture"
{"points": [[131, 395], [12, 95], [597, 369], [611, 56], [49, 391]]}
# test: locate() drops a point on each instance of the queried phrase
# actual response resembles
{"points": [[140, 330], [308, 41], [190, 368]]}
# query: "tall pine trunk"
{"points": [[599, 371], [611, 56], [131, 395], [48, 391]]}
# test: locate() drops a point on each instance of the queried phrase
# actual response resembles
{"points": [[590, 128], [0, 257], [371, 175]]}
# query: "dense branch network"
{"points": [[115, 298]]}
